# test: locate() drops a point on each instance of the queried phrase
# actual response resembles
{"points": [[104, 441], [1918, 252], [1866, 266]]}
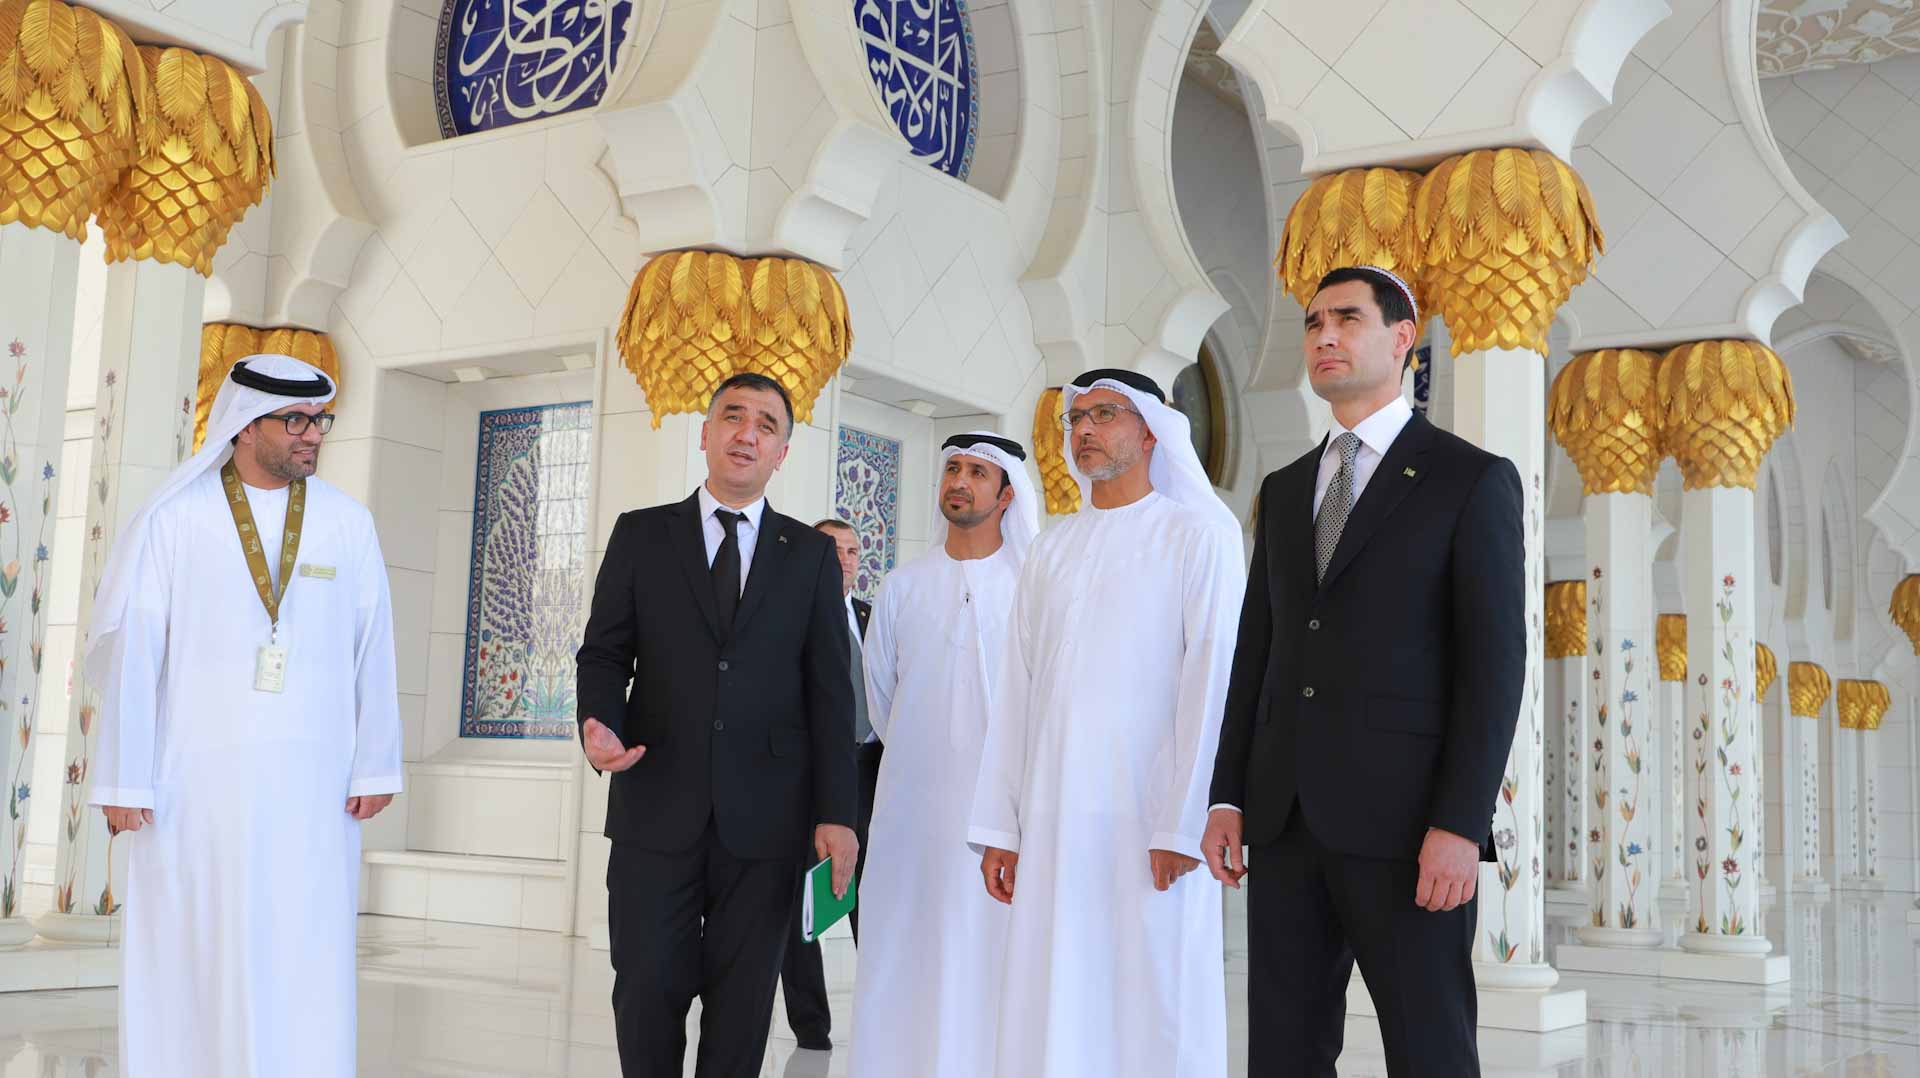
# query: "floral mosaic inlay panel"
{"points": [[866, 493]]}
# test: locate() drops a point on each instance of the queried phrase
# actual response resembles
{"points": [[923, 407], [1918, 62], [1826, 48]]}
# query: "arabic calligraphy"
{"points": [[503, 62], [920, 55]]}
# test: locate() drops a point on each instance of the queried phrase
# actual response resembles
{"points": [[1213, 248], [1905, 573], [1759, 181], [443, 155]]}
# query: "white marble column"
{"points": [[1499, 405], [1672, 827], [1863, 705], [1718, 585], [1623, 858], [1846, 800], [1763, 679], [1569, 733], [143, 426], [39, 270], [1808, 691]]}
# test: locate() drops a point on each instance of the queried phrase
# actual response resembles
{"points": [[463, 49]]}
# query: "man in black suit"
{"points": [[732, 757], [803, 979], [1375, 690]]}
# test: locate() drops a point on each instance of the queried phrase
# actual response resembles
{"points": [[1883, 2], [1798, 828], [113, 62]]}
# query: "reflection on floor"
{"points": [[443, 999]]}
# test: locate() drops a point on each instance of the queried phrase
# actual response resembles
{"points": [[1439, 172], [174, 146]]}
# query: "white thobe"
{"points": [[238, 957], [1101, 748], [926, 994]]}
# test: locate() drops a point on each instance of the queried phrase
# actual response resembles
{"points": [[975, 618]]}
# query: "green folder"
{"points": [[818, 908]]}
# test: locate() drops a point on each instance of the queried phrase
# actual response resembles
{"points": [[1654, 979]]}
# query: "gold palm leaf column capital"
{"points": [[1879, 701], [205, 157], [1722, 405], [1360, 217], [1604, 411], [684, 323], [1905, 609], [1505, 235], [1566, 611], [222, 344], [1766, 668], [1853, 699], [1050, 456], [1808, 687], [1670, 644], [72, 87], [799, 330]]}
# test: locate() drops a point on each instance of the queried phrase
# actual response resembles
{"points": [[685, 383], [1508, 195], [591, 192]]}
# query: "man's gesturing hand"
{"points": [[1168, 866], [1226, 851], [838, 842], [126, 819], [998, 867], [1449, 867], [605, 751]]}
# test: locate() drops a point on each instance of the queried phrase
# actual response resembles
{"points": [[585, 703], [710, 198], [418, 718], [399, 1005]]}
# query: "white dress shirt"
{"points": [[1377, 433], [746, 532]]}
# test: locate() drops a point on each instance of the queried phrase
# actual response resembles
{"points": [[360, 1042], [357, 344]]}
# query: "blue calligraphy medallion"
{"points": [[920, 55], [503, 62]]}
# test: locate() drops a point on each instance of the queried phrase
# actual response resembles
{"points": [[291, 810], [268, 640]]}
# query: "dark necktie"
{"points": [[726, 569]]}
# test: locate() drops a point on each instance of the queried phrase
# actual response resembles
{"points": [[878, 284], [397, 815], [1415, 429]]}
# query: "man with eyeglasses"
{"points": [[1092, 792], [241, 651]]}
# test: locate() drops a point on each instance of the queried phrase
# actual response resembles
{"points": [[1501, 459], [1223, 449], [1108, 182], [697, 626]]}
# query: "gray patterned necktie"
{"points": [[1336, 505], [862, 726]]}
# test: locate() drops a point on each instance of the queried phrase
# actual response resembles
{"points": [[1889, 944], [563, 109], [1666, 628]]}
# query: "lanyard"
{"points": [[250, 540]]}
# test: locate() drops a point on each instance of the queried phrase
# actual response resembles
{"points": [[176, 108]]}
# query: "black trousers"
{"points": [[697, 922], [1311, 913], [803, 977]]}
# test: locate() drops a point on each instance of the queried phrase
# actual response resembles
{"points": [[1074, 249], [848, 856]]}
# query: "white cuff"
{"points": [[121, 797], [979, 838], [1184, 845], [1224, 805], [370, 787]]}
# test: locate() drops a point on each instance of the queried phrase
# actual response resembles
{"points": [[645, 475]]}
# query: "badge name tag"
{"points": [[270, 668], [317, 572]]}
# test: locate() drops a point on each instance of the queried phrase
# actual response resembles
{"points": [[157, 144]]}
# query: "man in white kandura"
{"points": [[242, 649], [1092, 794], [927, 992]]}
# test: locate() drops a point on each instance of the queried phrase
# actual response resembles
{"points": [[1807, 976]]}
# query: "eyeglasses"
{"points": [[1101, 414], [298, 422]]}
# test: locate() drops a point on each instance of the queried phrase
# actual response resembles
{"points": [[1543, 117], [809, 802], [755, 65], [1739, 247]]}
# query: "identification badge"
{"points": [[317, 572], [270, 668]]}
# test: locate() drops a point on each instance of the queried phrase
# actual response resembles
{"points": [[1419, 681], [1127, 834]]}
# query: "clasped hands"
{"points": [[364, 807], [999, 867], [1449, 864], [605, 752]]}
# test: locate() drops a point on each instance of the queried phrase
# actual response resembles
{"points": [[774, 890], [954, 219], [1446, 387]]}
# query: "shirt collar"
{"points": [[709, 503], [1378, 430]]}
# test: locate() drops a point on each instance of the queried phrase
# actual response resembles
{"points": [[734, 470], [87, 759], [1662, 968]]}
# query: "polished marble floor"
{"points": [[443, 1000]]}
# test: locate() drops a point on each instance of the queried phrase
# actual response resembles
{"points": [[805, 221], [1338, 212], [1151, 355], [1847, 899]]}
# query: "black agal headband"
{"points": [[317, 386], [968, 441]]}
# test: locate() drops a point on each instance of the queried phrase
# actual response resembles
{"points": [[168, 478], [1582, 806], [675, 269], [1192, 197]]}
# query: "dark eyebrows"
{"points": [[1313, 316]]}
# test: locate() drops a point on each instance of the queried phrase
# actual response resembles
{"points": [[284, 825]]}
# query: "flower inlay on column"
{"points": [[1566, 644], [695, 318], [1049, 456], [72, 88], [206, 157]]}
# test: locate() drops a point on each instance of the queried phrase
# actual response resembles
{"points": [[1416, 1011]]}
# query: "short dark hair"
{"points": [[1393, 303], [752, 380]]}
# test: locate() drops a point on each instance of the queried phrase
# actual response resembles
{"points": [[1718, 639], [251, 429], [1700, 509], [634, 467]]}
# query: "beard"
{"points": [[282, 464], [965, 518], [1118, 464]]}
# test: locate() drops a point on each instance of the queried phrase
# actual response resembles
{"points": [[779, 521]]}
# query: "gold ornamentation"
{"points": [[1049, 455], [1808, 687], [1505, 236], [1566, 619], [206, 155], [1905, 609], [71, 89], [1879, 700], [224, 343], [1603, 411], [1361, 217], [1766, 668], [1852, 700], [695, 318], [1722, 405], [1670, 642]]}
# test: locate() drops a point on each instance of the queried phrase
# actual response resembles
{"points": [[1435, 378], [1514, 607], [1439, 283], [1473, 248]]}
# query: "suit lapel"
{"points": [[690, 550], [1294, 515], [769, 559], [1395, 477]]}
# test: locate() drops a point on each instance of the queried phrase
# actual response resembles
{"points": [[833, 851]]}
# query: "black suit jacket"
{"points": [[1385, 698], [862, 613], [754, 731]]}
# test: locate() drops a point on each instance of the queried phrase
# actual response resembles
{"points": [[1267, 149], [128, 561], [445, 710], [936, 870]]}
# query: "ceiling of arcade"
{"points": [[1807, 35]]}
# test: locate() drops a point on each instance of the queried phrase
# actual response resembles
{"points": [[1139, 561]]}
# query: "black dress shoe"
{"points": [[814, 1042]]}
